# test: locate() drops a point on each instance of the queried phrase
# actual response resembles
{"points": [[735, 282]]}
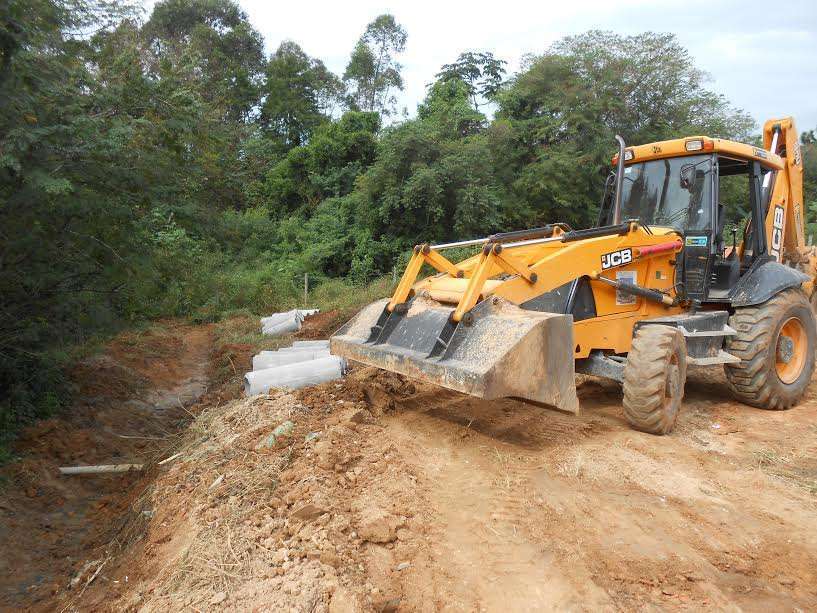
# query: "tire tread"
{"points": [[645, 378], [753, 380]]}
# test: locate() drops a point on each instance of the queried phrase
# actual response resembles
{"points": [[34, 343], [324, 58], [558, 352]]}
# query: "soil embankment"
{"points": [[381, 494]]}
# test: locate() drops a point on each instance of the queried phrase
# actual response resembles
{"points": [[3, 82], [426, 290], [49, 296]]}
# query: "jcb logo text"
{"points": [[616, 258], [777, 232]]}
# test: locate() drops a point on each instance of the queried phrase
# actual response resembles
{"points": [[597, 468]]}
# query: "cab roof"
{"points": [[694, 145]]}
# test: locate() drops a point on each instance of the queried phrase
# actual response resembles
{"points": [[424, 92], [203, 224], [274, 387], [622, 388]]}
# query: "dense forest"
{"points": [[164, 165]]}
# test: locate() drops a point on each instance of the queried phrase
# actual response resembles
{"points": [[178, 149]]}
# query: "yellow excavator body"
{"points": [[530, 307]]}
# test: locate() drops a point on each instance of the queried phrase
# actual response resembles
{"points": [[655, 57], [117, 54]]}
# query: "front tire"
{"points": [[654, 378], [775, 342]]}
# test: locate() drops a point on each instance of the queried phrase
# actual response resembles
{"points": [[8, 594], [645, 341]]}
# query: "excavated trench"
{"points": [[132, 402]]}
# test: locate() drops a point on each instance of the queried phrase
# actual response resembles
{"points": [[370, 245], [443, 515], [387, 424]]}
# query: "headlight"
{"points": [[700, 144]]}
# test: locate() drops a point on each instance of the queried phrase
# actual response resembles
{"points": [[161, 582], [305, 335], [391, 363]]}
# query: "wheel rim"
{"points": [[672, 382], [790, 350]]}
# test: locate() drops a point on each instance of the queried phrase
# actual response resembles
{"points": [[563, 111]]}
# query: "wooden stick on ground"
{"points": [[99, 469], [170, 459]]}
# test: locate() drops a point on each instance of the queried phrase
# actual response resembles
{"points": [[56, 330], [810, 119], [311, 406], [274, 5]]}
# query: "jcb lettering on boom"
{"points": [[777, 232], [616, 258]]}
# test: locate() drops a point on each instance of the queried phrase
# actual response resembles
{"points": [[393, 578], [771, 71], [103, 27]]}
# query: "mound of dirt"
{"points": [[322, 325], [377, 494], [280, 502]]}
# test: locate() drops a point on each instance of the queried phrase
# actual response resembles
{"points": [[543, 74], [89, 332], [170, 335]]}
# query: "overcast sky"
{"points": [[762, 55]]}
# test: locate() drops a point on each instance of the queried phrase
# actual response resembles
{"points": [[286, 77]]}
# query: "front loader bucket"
{"points": [[504, 352]]}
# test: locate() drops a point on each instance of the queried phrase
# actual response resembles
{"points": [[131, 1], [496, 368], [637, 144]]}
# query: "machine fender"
{"points": [[765, 280]]}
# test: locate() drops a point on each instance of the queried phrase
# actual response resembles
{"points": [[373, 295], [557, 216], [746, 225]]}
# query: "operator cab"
{"points": [[708, 191]]}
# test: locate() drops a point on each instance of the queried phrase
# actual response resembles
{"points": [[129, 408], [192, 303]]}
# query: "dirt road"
{"points": [[389, 495], [537, 511]]}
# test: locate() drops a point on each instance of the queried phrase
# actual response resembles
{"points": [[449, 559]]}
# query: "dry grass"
{"points": [[573, 467], [233, 485], [799, 467]]}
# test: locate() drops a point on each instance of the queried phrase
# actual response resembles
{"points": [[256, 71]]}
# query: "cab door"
{"points": [[699, 252]]}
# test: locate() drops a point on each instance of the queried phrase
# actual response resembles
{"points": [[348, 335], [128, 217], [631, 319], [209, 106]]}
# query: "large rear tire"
{"points": [[654, 378], [775, 342]]}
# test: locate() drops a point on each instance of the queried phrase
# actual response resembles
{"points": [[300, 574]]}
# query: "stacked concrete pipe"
{"points": [[294, 375], [304, 363], [271, 359], [285, 323]]}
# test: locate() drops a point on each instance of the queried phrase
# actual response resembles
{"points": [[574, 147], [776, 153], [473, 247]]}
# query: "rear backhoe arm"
{"points": [[785, 219]]}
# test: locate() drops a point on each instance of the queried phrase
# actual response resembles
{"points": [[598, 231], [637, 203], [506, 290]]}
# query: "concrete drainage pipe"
{"points": [[287, 325], [294, 376], [311, 344], [276, 317], [271, 359]]}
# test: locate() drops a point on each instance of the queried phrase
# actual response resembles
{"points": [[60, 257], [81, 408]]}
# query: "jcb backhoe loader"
{"points": [[671, 277]]}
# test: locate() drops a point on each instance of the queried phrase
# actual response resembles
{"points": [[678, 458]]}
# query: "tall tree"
{"points": [[373, 72], [481, 72], [212, 44], [808, 142], [299, 94], [328, 165], [433, 178], [566, 105], [64, 223]]}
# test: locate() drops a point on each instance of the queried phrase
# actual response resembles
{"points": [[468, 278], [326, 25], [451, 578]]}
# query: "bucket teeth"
{"points": [[504, 352]]}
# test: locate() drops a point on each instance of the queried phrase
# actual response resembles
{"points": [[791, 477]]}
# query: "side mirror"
{"points": [[686, 175]]}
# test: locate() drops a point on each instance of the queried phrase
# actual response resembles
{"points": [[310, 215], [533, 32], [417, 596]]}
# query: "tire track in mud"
{"points": [[485, 507], [535, 510]]}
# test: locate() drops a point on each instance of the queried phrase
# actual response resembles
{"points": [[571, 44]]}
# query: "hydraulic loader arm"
{"points": [[521, 270], [785, 217]]}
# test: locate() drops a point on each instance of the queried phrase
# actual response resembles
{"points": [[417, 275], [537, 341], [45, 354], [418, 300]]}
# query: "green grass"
{"points": [[344, 296], [238, 331], [241, 326]]}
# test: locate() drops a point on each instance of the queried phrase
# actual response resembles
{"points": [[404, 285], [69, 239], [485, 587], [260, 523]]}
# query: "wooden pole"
{"points": [[306, 288], [99, 469]]}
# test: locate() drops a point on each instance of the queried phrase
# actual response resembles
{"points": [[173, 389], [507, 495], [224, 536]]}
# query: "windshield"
{"points": [[674, 192]]}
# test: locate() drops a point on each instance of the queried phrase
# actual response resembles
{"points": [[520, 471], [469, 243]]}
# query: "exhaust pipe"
{"points": [[619, 181]]}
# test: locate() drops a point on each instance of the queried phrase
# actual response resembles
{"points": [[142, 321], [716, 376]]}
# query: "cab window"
{"points": [[672, 192]]}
